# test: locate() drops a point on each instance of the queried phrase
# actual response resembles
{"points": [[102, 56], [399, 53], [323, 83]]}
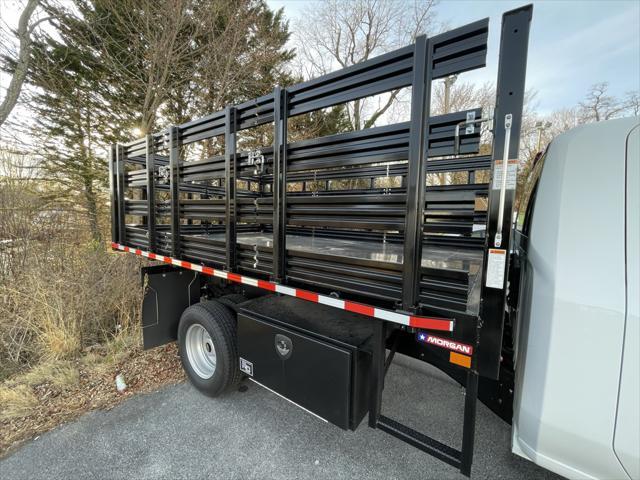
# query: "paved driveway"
{"points": [[178, 433]]}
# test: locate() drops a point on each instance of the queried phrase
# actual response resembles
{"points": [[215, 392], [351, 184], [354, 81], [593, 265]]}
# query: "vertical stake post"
{"points": [[279, 186], [377, 371], [122, 233], [510, 90], [230, 175], [113, 193], [469, 425], [174, 187], [151, 195], [416, 173]]}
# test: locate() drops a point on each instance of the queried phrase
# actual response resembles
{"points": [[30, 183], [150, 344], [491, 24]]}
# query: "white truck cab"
{"points": [[577, 352]]}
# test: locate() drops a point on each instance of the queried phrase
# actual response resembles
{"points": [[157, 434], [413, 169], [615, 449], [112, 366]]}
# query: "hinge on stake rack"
{"points": [[164, 174], [256, 158], [469, 123], [314, 192], [471, 128], [255, 255], [508, 118], [255, 211], [387, 190]]}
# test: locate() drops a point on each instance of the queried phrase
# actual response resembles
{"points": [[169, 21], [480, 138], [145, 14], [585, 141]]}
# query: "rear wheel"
{"points": [[208, 349]]}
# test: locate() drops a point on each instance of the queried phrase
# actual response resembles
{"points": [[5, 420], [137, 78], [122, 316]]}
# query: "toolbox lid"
{"points": [[315, 319]]}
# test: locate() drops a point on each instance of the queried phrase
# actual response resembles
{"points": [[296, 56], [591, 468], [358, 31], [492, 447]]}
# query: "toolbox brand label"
{"points": [[246, 367], [444, 343]]}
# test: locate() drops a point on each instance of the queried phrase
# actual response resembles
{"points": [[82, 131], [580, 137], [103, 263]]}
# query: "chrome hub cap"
{"points": [[200, 351]]}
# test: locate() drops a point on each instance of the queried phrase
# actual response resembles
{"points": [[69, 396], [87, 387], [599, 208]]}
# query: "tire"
{"points": [[208, 347]]}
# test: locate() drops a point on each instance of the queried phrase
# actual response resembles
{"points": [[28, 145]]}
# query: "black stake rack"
{"points": [[412, 248]]}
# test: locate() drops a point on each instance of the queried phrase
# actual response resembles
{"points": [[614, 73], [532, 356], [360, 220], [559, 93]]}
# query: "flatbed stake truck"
{"points": [[301, 265]]}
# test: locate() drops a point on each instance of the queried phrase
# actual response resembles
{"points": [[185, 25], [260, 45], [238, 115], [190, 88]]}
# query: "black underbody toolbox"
{"points": [[319, 358]]}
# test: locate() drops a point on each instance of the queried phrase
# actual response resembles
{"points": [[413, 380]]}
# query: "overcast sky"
{"points": [[573, 44]]}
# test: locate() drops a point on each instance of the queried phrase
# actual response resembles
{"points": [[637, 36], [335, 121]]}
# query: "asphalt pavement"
{"points": [[177, 433]]}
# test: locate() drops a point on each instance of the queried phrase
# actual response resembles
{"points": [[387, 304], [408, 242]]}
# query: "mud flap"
{"points": [[168, 292]]}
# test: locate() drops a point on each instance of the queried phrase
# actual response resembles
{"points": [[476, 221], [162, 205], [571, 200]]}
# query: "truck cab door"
{"points": [[627, 434]]}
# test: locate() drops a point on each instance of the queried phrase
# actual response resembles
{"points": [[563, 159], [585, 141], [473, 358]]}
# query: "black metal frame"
{"points": [[410, 214], [151, 194], [509, 101], [174, 187], [461, 459], [279, 183], [416, 172]]}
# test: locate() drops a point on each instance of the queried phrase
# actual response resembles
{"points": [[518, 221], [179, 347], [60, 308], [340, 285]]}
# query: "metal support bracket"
{"points": [[469, 123], [461, 459], [508, 119]]}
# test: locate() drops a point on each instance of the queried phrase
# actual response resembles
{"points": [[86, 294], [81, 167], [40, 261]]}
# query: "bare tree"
{"points": [[339, 33], [462, 96], [236, 60], [598, 105], [23, 33], [632, 103]]}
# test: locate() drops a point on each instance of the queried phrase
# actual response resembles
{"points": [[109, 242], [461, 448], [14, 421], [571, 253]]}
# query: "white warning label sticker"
{"points": [[512, 175], [495, 268]]}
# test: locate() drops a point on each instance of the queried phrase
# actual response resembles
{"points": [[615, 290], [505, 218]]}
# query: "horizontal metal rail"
{"points": [[416, 321]]}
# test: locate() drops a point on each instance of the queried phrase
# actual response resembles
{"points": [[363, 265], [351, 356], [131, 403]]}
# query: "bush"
{"points": [[66, 299]]}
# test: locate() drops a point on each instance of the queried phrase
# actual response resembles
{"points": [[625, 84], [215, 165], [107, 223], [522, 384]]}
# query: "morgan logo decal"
{"points": [[423, 337]]}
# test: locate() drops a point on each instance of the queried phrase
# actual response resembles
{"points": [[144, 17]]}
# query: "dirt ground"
{"points": [[37, 401]]}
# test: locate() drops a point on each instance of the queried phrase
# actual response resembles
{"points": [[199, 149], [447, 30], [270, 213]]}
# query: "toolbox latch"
{"points": [[284, 346]]}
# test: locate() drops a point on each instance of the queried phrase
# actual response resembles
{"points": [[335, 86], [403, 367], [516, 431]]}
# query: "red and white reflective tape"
{"points": [[427, 323]]}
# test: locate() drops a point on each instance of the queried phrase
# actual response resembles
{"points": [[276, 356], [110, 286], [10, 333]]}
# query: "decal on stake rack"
{"points": [[427, 323], [424, 337], [512, 174], [497, 261]]}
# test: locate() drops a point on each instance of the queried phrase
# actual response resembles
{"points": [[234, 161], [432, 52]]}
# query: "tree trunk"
{"points": [[92, 211], [356, 115], [22, 63]]}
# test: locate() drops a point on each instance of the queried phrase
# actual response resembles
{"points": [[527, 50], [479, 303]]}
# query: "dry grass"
{"points": [[16, 401], [54, 308], [59, 374], [57, 392], [69, 314], [69, 323]]}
